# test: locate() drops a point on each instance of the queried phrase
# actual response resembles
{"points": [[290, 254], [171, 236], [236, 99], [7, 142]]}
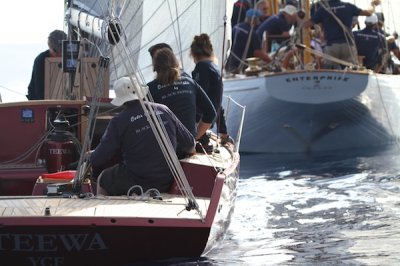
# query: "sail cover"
{"points": [[147, 22]]}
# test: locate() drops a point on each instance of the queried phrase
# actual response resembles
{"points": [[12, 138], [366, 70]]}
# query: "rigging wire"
{"points": [[178, 38], [123, 57], [158, 128], [93, 112]]}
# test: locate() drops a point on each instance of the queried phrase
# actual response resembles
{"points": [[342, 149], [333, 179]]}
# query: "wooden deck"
{"points": [[171, 206]]}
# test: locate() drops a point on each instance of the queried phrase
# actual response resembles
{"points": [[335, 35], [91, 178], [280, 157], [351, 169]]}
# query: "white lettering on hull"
{"points": [[51, 242], [317, 78], [46, 261]]}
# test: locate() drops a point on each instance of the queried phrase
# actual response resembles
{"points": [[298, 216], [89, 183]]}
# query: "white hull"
{"points": [[282, 117]]}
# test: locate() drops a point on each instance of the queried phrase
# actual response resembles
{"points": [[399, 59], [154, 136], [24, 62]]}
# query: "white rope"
{"points": [[143, 195]]}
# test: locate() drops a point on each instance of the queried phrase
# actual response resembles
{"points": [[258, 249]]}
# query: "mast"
{"points": [[306, 37], [274, 6]]}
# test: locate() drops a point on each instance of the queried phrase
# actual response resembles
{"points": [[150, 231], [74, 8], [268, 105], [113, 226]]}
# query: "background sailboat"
{"points": [[306, 110]]}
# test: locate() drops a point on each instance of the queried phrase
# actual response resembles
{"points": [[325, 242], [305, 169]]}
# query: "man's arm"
{"points": [[107, 147], [184, 139], [260, 53], [365, 13]]}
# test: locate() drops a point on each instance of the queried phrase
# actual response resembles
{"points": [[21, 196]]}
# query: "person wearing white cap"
{"points": [[277, 27], [336, 18], [371, 44], [130, 135], [36, 85]]}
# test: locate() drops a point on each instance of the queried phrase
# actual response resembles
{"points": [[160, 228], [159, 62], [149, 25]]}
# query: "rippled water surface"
{"points": [[327, 211]]}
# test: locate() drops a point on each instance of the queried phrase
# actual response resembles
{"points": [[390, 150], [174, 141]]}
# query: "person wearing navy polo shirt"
{"points": [[371, 44], [245, 43], [36, 85], [129, 133], [181, 94], [277, 27], [239, 10], [336, 18]]}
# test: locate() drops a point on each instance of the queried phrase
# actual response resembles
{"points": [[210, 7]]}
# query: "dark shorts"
{"points": [[118, 179]]}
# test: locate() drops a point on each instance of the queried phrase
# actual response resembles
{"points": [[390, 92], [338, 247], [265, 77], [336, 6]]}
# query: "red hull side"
{"points": [[19, 181], [27, 125], [93, 245]]}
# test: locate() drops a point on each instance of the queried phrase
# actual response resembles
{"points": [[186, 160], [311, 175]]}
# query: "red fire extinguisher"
{"points": [[60, 150]]}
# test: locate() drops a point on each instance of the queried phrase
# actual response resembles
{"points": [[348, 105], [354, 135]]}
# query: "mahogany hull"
{"points": [[101, 245]]}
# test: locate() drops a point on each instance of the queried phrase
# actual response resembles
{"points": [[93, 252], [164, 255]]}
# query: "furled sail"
{"points": [[145, 23]]}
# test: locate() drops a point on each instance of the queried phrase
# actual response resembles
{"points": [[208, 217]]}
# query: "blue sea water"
{"points": [[337, 210], [315, 211]]}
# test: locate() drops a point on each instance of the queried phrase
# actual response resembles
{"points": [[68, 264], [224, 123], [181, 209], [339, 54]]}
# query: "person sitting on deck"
{"points": [[336, 18], [36, 85], [245, 43], [371, 44], [129, 133], [181, 94]]}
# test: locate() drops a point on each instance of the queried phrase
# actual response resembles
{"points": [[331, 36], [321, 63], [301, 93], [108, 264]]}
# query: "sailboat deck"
{"points": [[171, 206]]}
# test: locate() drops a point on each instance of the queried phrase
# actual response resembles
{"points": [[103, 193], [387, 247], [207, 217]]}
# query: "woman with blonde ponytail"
{"points": [[180, 93]]}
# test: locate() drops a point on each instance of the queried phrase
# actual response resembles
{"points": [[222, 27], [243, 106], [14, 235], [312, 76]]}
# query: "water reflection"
{"points": [[315, 212]]}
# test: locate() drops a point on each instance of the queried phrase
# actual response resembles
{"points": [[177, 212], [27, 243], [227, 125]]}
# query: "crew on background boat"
{"points": [[294, 3], [239, 10], [245, 43], [393, 49], [374, 4], [371, 44], [129, 132], [276, 28], [264, 7], [390, 66], [317, 43], [181, 94], [336, 18], [208, 76], [36, 85]]}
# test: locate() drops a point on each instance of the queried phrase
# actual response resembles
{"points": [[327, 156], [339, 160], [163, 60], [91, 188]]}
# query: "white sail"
{"points": [[147, 22]]}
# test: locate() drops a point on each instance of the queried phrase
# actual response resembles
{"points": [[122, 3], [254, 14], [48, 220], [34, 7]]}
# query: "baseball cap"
{"points": [[253, 13], [289, 9], [373, 19]]}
